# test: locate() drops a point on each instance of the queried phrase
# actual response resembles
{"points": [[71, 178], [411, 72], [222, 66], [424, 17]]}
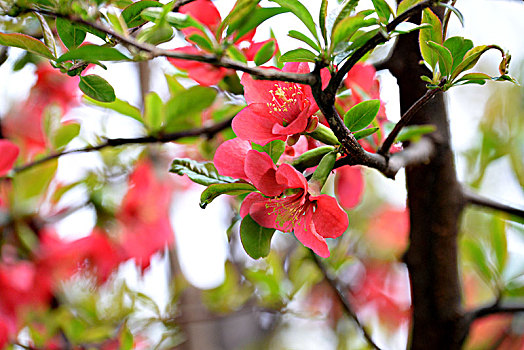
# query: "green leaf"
{"points": [[346, 10], [176, 19], [64, 135], [236, 54], [458, 46], [304, 38], [153, 111], [477, 256], [274, 149], [203, 42], [365, 133], [470, 59], [499, 242], [186, 105], [256, 18], [93, 53], [72, 36], [132, 13], [255, 238], [434, 33], [406, 4], [126, 338], [232, 189], [265, 53], [49, 38], [348, 27], [27, 43], [473, 78], [202, 173], [237, 16], [361, 115], [97, 88], [301, 12], [445, 60], [322, 20], [298, 55], [454, 10], [414, 132], [384, 12], [32, 183], [118, 106], [157, 34]]}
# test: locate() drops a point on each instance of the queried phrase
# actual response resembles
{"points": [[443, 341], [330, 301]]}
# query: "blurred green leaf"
{"points": [[182, 109], [499, 242], [405, 5], [118, 106], [64, 135], [478, 257], [153, 111], [132, 13], [26, 42], [322, 20], [414, 132]]}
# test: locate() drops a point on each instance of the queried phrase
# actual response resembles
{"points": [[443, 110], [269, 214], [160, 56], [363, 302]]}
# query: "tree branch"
{"points": [[495, 308], [208, 131], [342, 299], [180, 3], [478, 200], [404, 120]]}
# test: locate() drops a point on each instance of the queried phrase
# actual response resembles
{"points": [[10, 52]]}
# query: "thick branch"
{"points": [[404, 120], [376, 40], [343, 301], [478, 200], [208, 131]]}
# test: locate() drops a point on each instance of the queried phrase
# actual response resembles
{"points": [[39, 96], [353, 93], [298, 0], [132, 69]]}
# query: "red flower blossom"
{"points": [[144, 216], [275, 109], [284, 202], [9, 152]]}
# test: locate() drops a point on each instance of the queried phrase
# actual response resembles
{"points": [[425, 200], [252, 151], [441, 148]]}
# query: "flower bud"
{"points": [[311, 158], [322, 172], [324, 134]]}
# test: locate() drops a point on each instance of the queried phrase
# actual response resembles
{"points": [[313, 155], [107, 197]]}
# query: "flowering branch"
{"points": [[343, 301], [208, 131], [478, 200]]}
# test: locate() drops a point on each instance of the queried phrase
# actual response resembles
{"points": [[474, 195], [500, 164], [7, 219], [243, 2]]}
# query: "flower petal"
{"points": [[254, 123], [258, 91], [203, 73], [307, 235], [203, 11], [230, 158], [291, 178], [330, 219], [260, 170], [252, 198], [297, 126], [274, 212], [9, 152]]}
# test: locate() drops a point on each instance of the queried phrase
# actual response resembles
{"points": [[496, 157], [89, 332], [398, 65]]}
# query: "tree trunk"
{"points": [[435, 203]]}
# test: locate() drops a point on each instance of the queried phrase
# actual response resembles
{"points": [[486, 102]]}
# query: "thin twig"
{"points": [[478, 200], [208, 131], [495, 308], [404, 120], [343, 300], [180, 3]]}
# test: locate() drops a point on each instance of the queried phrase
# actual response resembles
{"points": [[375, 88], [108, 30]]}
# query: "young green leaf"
{"points": [[118, 106], [203, 42], [236, 54], [93, 53], [454, 10], [301, 12], [322, 20], [153, 111], [237, 16], [405, 5], [255, 238], [346, 10], [470, 59], [132, 13], [304, 38], [361, 115], [499, 242], [434, 33], [202, 173], [72, 36], [265, 53], [64, 135], [97, 88], [414, 132], [298, 55], [458, 46], [274, 149], [232, 189], [176, 19], [49, 38], [365, 133], [27, 43], [445, 60], [348, 27], [473, 78], [475, 253], [384, 12]]}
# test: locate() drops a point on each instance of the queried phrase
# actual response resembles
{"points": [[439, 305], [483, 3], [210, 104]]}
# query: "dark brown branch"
{"points": [[208, 131], [376, 40], [180, 3], [404, 120], [495, 308], [348, 309], [478, 200]]}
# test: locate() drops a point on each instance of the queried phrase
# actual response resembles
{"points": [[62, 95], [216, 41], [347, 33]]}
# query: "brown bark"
{"points": [[435, 203]]}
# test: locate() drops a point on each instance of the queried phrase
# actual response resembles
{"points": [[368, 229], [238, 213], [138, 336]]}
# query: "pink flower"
{"points": [[284, 202], [275, 109], [9, 152]]}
